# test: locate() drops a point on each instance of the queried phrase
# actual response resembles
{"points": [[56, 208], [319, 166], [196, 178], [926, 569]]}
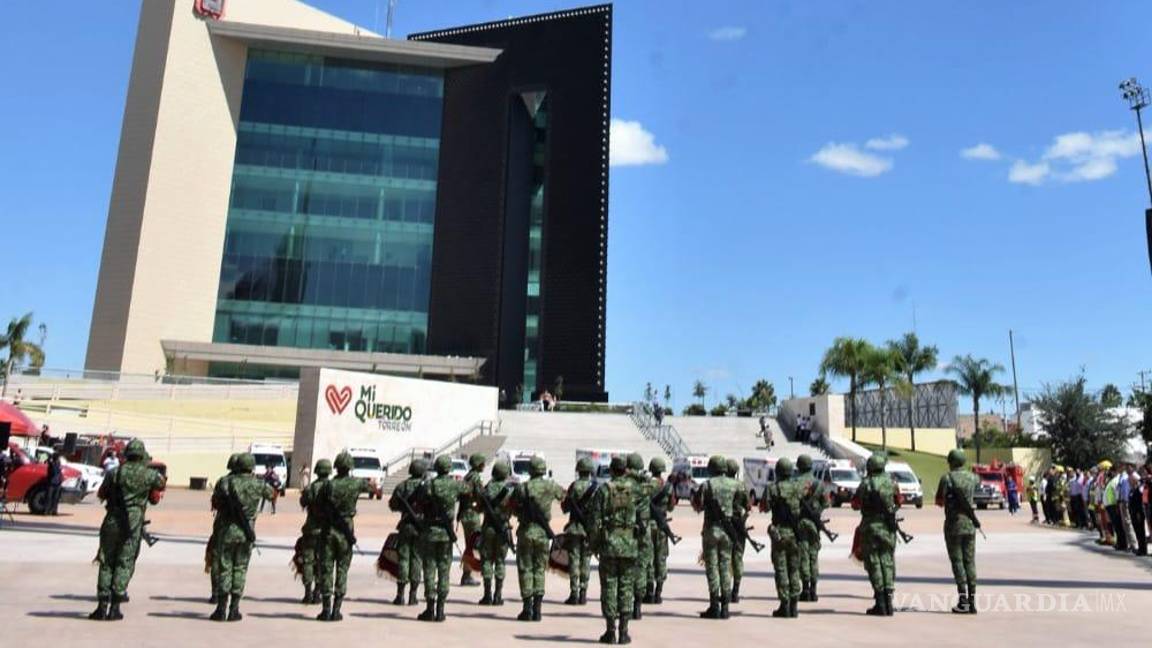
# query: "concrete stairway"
{"points": [[735, 437], [486, 445]]}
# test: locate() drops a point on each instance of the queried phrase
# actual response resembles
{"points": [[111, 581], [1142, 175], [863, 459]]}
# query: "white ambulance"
{"points": [[758, 473], [688, 473], [366, 464]]}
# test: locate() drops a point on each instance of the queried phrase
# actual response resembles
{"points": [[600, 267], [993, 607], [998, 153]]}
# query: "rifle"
{"points": [[408, 511], [443, 520], [494, 519], [122, 511], [534, 514], [659, 512], [148, 538], [961, 502], [890, 518], [234, 510], [737, 533], [332, 517], [808, 512], [575, 506]]}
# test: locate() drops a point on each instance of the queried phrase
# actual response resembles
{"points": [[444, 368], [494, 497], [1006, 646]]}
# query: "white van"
{"points": [[601, 459], [518, 460], [688, 473], [270, 455], [758, 473], [906, 480], [840, 479], [366, 464]]}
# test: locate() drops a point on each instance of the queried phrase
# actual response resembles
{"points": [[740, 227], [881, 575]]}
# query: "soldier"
{"points": [[126, 494], [236, 497], [715, 499], [741, 506], [644, 493], [664, 500], [614, 540], [305, 559], [407, 549], [209, 561], [955, 493], [496, 535], [578, 505], [470, 512], [807, 533], [877, 499], [439, 500], [532, 504], [782, 497], [335, 501]]}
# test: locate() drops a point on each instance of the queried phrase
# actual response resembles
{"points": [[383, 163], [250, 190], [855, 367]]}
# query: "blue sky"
{"points": [[759, 221]]}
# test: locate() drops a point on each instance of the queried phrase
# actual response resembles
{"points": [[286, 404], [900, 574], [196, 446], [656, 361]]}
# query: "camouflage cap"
{"points": [[501, 470], [618, 465], [135, 450], [245, 463], [323, 468], [232, 461], [343, 462], [717, 465], [956, 458], [876, 463], [442, 465], [803, 463], [731, 468], [477, 461], [537, 467], [657, 466], [783, 468], [417, 468], [584, 466], [635, 461]]}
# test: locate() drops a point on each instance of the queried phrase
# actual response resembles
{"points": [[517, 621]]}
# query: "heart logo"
{"points": [[338, 399]]}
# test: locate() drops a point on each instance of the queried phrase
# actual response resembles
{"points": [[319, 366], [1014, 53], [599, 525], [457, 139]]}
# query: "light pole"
{"points": [[1138, 99], [791, 389]]}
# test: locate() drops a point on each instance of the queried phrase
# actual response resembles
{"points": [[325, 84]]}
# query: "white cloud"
{"points": [[728, 33], [632, 145], [846, 158], [981, 151], [893, 142], [1024, 173]]}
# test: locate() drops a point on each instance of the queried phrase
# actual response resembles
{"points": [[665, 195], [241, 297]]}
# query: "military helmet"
{"points": [[232, 461], [477, 461], [635, 462], [783, 468], [501, 470], [716, 465], [417, 468], [618, 465], [343, 462], [245, 463], [323, 468], [803, 463], [442, 465], [731, 467], [657, 466], [584, 466], [537, 467], [876, 463], [135, 450], [956, 458]]}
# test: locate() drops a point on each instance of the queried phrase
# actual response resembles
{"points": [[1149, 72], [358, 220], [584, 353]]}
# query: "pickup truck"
{"points": [[28, 482]]}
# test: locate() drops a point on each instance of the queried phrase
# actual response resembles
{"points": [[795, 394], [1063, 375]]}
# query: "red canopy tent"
{"points": [[21, 424]]}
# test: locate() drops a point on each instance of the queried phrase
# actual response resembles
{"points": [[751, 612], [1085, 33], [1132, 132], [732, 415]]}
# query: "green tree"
{"points": [[1080, 430], [845, 359], [720, 410], [879, 369], [667, 395], [695, 409], [976, 378], [763, 396], [819, 387], [911, 359], [700, 390], [19, 349], [1110, 396], [649, 393]]}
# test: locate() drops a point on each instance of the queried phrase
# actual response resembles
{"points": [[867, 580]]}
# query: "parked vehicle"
{"points": [[270, 455], [758, 473], [601, 460], [840, 479], [28, 482], [93, 475], [911, 490], [688, 473], [993, 487], [518, 460], [366, 464]]}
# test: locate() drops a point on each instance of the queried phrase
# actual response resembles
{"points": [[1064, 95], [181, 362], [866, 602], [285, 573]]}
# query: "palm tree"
{"points": [[880, 369], [700, 390], [977, 378], [845, 359], [819, 387], [19, 349], [911, 359]]}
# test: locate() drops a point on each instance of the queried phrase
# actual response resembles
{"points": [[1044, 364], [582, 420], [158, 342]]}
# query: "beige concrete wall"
{"points": [[160, 268], [937, 441], [829, 418], [184, 466], [1034, 460]]}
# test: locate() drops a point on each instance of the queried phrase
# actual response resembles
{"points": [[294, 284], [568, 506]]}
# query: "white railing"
{"points": [[665, 435], [54, 385], [478, 429]]}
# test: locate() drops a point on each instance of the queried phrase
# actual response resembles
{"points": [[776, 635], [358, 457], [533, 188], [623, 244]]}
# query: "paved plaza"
{"points": [[1036, 584]]}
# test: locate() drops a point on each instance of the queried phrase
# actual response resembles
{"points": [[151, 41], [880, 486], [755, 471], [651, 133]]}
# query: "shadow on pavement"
{"points": [[274, 599], [180, 615], [75, 597], [378, 615], [60, 614], [297, 616], [557, 638], [181, 599]]}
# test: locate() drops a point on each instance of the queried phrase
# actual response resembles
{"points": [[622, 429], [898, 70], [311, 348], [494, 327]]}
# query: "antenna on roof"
{"points": [[388, 24]]}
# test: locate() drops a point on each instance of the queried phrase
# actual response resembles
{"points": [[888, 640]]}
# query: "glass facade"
{"points": [[329, 234], [535, 246]]}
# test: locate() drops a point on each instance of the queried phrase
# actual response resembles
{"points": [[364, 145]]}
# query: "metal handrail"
{"points": [[484, 427], [665, 435]]}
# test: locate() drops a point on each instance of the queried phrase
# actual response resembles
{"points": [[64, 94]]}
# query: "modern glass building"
{"points": [[292, 191]]}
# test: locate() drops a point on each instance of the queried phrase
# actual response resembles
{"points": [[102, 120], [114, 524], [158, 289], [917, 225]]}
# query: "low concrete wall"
{"points": [[1033, 460], [186, 465], [937, 441]]}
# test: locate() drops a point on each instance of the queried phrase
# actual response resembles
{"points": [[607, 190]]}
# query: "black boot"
{"points": [[466, 580], [583, 596], [961, 606], [623, 637], [214, 598], [650, 593], [440, 609], [526, 613], [812, 596], [114, 613], [429, 613], [793, 609], [888, 609], [658, 595], [221, 612], [877, 609], [315, 596], [498, 595], [735, 597], [336, 603], [413, 595], [101, 611], [537, 603], [573, 597], [487, 599], [782, 611], [637, 608], [609, 636], [805, 592], [972, 599], [713, 611], [399, 600], [326, 609], [723, 607], [124, 598], [307, 594], [234, 609]]}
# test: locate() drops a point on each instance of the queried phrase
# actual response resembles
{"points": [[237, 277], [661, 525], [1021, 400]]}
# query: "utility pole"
{"points": [[1143, 388], [1015, 384], [1138, 99], [792, 390]]}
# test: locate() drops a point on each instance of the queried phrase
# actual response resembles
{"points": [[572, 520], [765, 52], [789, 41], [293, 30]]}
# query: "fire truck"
{"points": [[993, 487]]}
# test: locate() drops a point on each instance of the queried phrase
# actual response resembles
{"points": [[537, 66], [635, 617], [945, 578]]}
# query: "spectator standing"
{"points": [[1076, 499], [1032, 498], [1123, 492], [272, 480], [1013, 496], [1136, 511], [111, 463], [55, 482], [1111, 499]]}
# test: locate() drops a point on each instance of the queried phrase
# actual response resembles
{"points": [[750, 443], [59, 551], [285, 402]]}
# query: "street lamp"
{"points": [[1138, 99]]}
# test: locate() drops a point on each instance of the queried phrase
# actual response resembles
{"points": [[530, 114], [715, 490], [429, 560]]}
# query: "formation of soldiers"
{"points": [[623, 522]]}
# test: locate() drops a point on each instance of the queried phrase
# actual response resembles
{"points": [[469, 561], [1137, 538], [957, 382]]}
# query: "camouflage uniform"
{"points": [[441, 496], [660, 548], [782, 497], [311, 531], [531, 539], [232, 549], [408, 529], [126, 494], [470, 510], [209, 549], [644, 549], [614, 540], [741, 506], [877, 499], [716, 498], [495, 534], [807, 533], [580, 493], [959, 528], [335, 501]]}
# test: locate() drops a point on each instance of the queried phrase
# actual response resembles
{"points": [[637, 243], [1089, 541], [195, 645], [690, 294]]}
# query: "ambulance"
{"points": [[758, 473], [518, 460], [600, 459], [688, 473]]}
